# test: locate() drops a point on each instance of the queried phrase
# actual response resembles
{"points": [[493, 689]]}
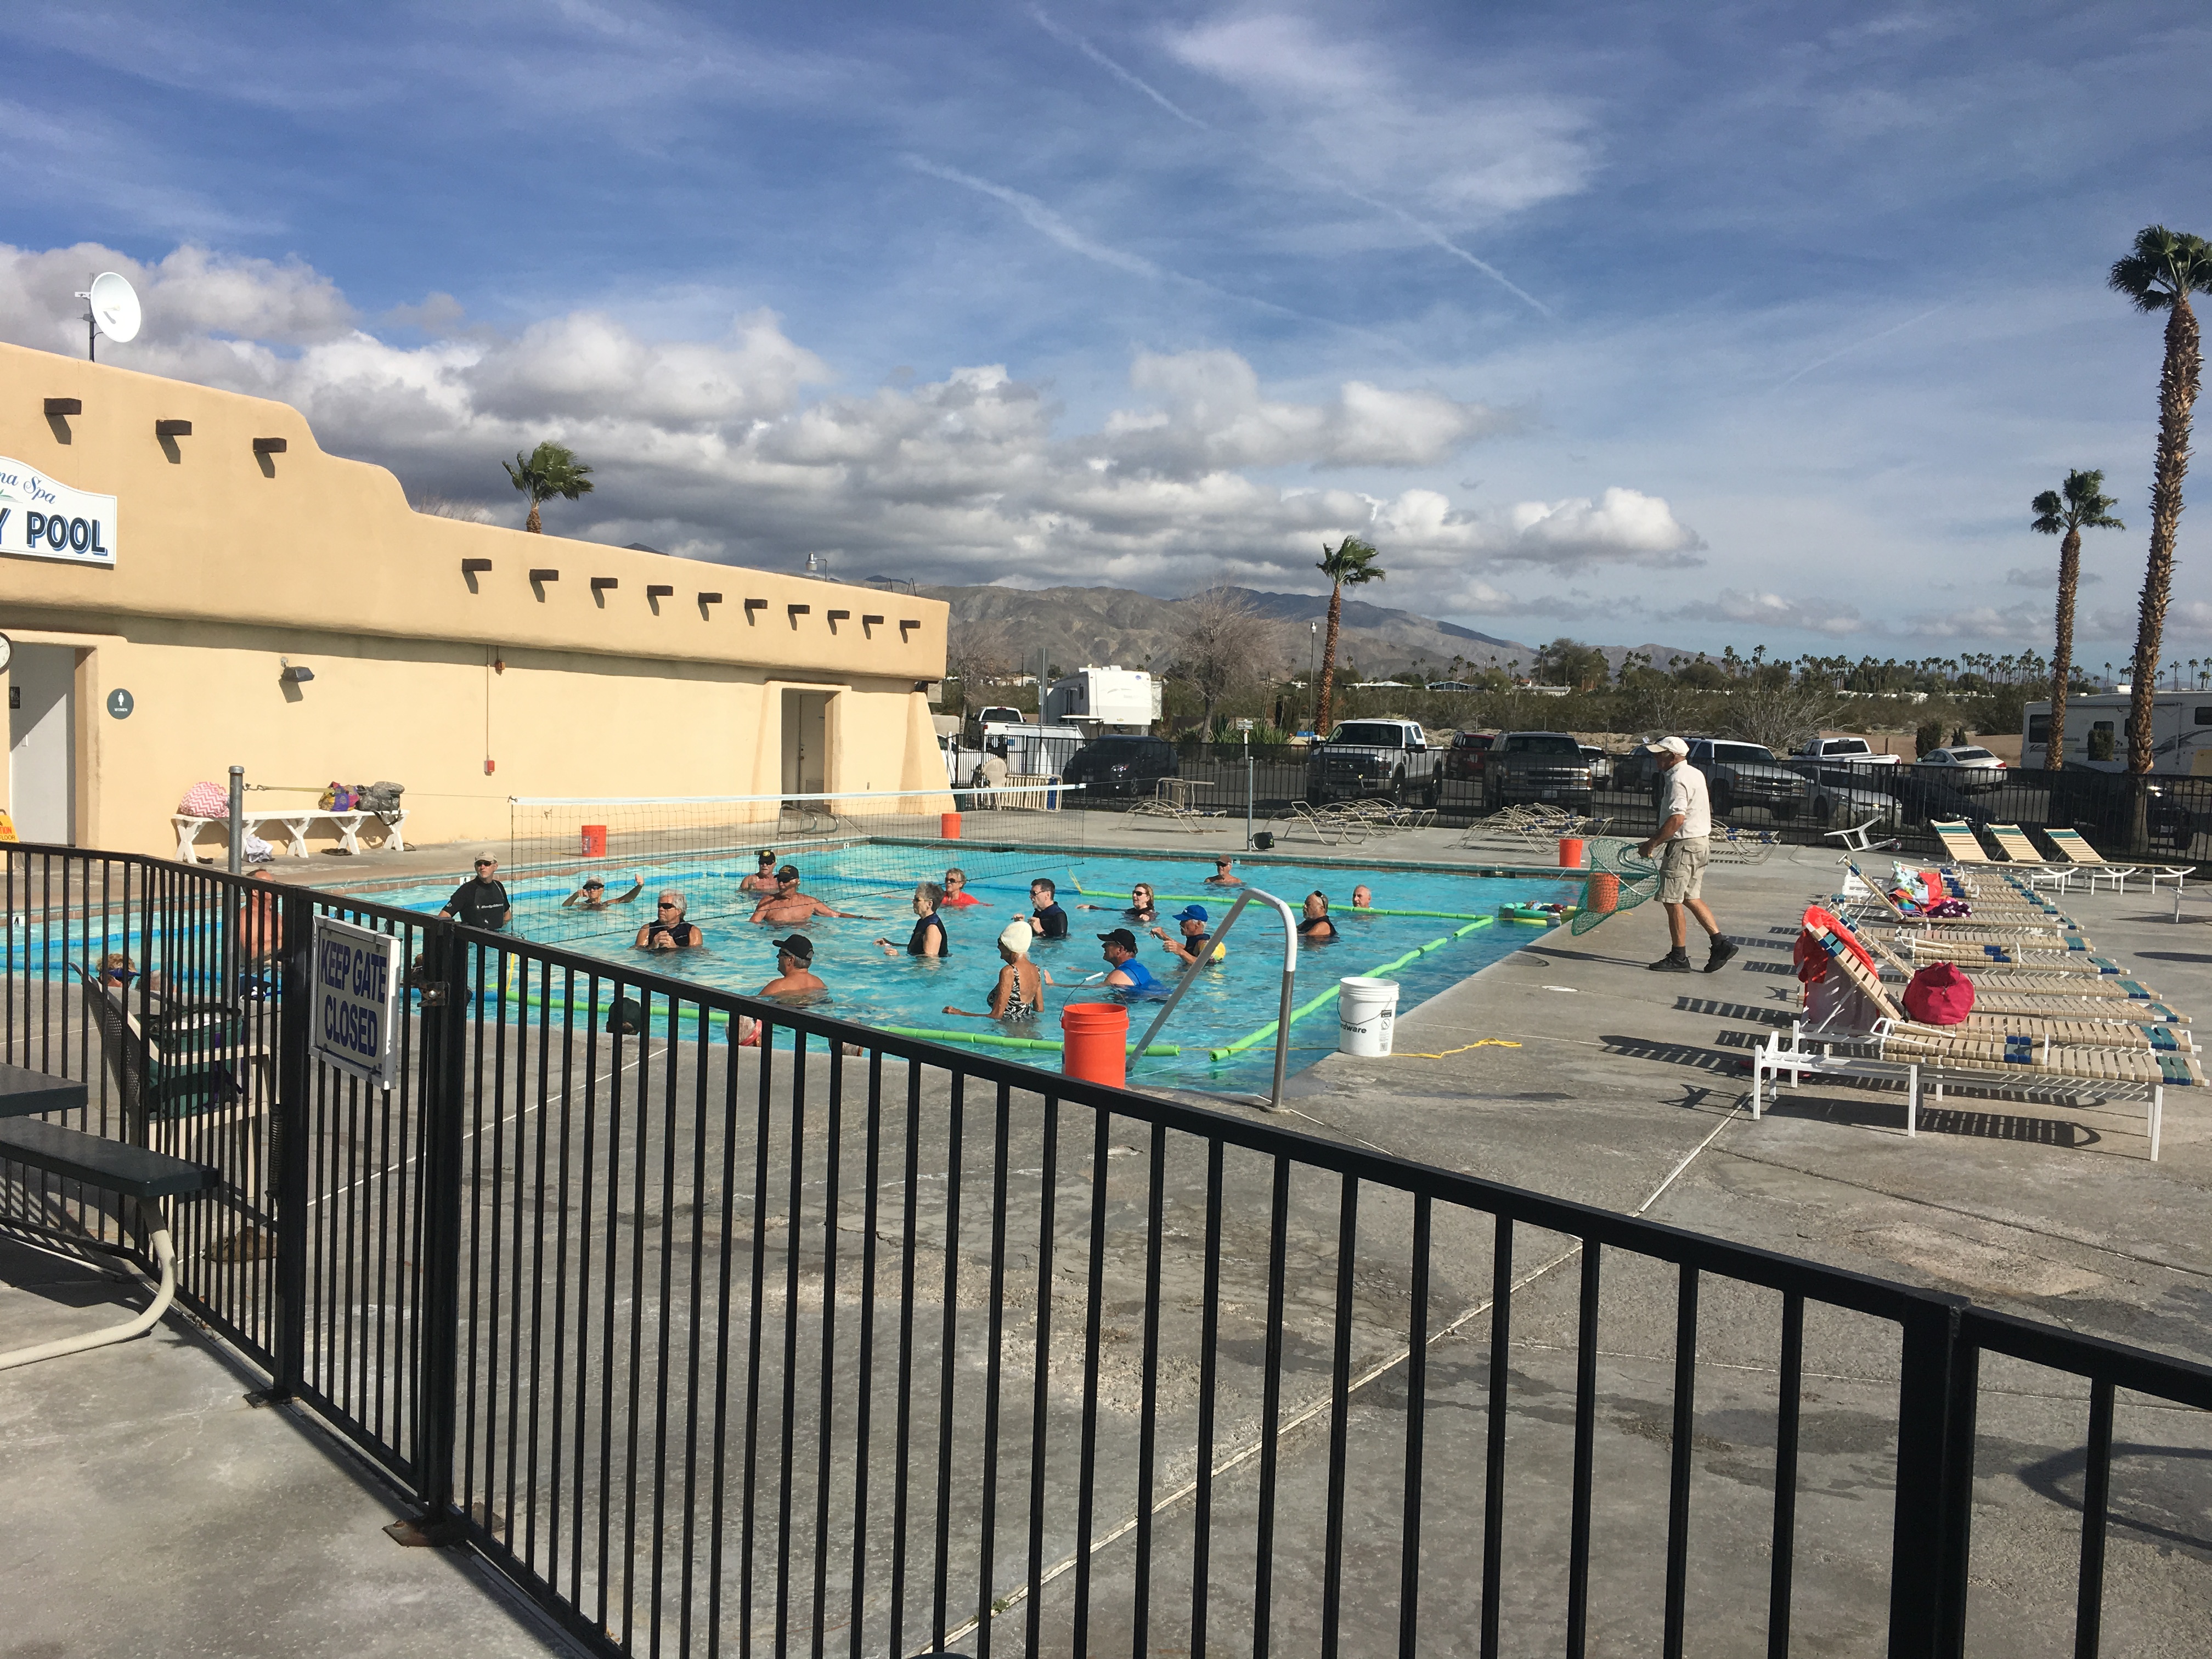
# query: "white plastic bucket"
{"points": [[1366, 1009]]}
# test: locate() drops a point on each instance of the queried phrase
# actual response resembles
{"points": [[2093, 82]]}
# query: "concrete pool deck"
{"points": [[1622, 1092]]}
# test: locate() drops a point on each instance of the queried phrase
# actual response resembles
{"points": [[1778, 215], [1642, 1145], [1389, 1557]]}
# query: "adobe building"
{"points": [[189, 582]]}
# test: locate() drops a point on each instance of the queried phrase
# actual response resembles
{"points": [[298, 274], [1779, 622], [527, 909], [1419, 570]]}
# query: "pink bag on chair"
{"points": [[1939, 994]]}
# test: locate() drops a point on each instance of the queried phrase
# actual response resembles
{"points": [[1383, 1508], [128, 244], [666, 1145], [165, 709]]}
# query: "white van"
{"points": [[2097, 733]]}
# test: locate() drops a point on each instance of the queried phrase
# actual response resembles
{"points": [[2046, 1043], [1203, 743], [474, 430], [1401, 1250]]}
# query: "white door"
{"points": [[42, 742]]}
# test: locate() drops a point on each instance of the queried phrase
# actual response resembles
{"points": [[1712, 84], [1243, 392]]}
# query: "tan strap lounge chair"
{"points": [[2093, 867]]}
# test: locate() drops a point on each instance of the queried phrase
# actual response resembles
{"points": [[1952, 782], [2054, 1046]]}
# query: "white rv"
{"points": [[2097, 733], [1109, 699]]}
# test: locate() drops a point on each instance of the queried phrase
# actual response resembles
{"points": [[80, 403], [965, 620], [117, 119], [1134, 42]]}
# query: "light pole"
{"points": [[1313, 669]]}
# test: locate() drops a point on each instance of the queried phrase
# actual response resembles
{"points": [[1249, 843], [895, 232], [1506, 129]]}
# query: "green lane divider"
{"points": [[1329, 995], [994, 1040]]}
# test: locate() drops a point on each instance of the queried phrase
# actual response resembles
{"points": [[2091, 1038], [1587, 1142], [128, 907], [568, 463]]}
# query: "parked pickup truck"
{"points": [[1843, 751], [1361, 758], [1540, 766]]}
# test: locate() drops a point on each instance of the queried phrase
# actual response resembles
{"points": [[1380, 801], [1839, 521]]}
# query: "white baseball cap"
{"points": [[1668, 746]]}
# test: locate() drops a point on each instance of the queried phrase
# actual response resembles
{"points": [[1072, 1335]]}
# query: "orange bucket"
{"points": [[948, 826], [1571, 852], [1604, 896], [1097, 1047], [595, 841]]}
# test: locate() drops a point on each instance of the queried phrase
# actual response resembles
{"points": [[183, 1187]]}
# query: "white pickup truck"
{"points": [[1843, 751], [1362, 759]]}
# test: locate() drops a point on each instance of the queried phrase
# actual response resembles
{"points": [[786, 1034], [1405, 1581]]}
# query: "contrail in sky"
{"points": [[1821, 363], [1048, 223], [1428, 232]]}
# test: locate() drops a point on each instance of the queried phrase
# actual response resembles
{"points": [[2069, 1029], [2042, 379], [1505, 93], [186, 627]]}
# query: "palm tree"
{"points": [[2159, 273], [1350, 563], [547, 471], [2078, 504]]}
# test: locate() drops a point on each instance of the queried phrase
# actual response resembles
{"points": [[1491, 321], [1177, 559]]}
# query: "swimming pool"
{"points": [[1428, 929]]}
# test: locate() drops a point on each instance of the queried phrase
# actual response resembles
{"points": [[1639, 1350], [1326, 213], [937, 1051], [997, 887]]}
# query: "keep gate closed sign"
{"points": [[356, 1000]]}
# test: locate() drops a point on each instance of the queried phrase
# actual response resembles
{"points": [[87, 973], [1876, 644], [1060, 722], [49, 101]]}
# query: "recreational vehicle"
{"points": [[2097, 733]]}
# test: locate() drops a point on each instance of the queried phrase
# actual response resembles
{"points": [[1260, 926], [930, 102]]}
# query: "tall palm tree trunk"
{"points": [[2177, 395], [2062, 655], [532, 523], [1328, 660]]}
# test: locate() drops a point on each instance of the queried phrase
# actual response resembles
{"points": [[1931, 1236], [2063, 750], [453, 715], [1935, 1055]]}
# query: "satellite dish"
{"points": [[114, 307]]}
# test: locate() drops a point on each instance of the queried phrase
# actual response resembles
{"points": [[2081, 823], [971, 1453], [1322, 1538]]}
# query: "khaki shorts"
{"points": [[1682, 870]]}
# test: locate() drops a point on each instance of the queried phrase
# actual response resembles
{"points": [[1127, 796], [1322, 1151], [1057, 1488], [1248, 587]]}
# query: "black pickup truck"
{"points": [[1549, 767]]}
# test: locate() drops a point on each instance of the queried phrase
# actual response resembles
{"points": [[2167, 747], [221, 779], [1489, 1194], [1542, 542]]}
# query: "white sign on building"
{"points": [[40, 518], [356, 990]]}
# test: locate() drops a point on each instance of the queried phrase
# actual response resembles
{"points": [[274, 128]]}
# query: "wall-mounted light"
{"points": [[298, 673]]}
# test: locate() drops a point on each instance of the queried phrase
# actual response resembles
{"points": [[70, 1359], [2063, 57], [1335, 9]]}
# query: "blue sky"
{"points": [[1755, 326]]}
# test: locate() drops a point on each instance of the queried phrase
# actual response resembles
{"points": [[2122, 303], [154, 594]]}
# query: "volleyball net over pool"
{"points": [[984, 831]]}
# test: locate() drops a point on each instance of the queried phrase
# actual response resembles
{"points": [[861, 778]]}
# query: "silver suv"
{"points": [[1540, 766]]}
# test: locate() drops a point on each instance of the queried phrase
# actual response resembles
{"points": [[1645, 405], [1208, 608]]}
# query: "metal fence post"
{"points": [[237, 819], [441, 1090], [1934, 1486], [287, 1152]]}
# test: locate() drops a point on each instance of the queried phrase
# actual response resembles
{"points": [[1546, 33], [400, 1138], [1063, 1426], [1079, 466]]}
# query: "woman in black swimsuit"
{"points": [[1142, 909], [928, 937], [670, 932]]}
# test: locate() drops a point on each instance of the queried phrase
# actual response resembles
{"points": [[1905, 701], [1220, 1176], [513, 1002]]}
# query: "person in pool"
{"points": [[670, 932], [794, 977], [1124, 971], [786, 907], [763, 879], [592, 895], [1315, 927], [957, 896], [1224, 874], [1363, 897], [928, 937], [1019, 993], [1143, 909], [1048, 920], [1195, 946]]}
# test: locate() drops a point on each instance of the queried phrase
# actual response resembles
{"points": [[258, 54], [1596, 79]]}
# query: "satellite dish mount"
{"points": [[111, 307]]}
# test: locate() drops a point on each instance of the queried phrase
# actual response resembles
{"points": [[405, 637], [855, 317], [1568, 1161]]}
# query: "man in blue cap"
{"points": [[1194, 945]]}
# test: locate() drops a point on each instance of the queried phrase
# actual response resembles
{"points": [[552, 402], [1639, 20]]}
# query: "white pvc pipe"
{"points": [[165, 1253]]}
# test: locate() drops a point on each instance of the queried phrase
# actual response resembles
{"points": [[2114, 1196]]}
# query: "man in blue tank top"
{"points": [[1125, 971]]}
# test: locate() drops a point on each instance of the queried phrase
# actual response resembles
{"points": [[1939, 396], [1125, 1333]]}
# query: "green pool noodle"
{"points": [[1303, 1009]]}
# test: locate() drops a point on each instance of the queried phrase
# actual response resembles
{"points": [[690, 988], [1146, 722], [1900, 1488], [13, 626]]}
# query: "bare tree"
{"points": [[1781, 717], [975, 652], [1222, 646]]}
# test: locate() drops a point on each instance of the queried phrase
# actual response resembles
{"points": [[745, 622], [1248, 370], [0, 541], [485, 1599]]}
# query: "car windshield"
{"points": [[1971, 754], [1546, 743], [1367, 731], [1744, 754], [1122, 743], [1847, 746], [1473, 740]]}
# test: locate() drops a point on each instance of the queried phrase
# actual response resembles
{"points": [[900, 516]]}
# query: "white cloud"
{"points": [[1757, 609], [726, 449], [2044, 580]]}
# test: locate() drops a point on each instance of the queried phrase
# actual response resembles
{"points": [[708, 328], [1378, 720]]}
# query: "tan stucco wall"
{"points": [[226, 562]]}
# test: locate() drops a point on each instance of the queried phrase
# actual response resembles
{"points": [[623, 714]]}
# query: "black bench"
{"points": [[133, 1172]]}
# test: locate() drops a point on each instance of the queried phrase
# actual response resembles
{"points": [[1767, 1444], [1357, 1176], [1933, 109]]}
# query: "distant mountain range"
{"points": [[1101, 625]]}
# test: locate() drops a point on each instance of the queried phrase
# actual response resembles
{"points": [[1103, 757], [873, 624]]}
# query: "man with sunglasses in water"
{"points": [[670, 932], [786, 907]]}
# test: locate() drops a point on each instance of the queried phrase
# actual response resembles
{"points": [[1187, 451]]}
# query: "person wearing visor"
{"points": [[1686, 831], [592, 895], [1124, 971], [1195, 946], [669, 930]]}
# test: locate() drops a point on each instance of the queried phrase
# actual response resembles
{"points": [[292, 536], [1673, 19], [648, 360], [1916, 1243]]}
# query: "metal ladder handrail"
{"points": [[1290, 977]]}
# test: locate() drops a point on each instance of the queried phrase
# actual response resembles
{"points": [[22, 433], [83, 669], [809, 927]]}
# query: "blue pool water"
{"points": [[1230, 1001]]}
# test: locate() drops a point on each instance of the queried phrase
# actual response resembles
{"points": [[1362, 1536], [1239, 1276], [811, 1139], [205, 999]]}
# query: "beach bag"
{"points": [[382, 796], [205, 800], [1940, 995]]}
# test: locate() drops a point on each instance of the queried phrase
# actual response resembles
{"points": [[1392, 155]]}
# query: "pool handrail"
{"points": [[1244, 896]]}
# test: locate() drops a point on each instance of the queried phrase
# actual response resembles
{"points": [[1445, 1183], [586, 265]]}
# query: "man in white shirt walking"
{"points": [[1686, 829]]}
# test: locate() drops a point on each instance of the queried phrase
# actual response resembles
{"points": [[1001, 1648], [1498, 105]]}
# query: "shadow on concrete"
{"points": [[1887, 1111], [2171, 1519], [1673, 1053], [1744, 1010]]}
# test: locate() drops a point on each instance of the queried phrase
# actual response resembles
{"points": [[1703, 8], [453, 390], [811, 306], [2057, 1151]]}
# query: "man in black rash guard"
{"points": [[670, 932], [482, 901]]}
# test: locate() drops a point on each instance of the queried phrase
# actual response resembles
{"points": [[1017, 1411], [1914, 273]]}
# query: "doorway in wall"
{"points": [[42, 743], [805, 742]]}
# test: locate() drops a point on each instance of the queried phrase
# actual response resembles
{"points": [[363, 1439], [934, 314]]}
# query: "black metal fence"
{"points": [[2166, 817], [720, 1336]]}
